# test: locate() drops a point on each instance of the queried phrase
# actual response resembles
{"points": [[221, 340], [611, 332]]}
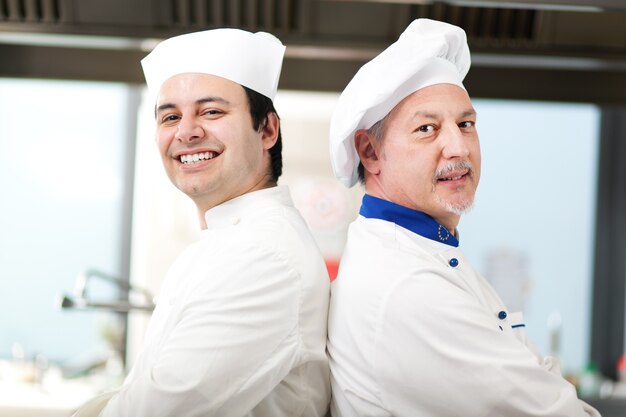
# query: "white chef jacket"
{"points": [[240, 326], [414, 330]]}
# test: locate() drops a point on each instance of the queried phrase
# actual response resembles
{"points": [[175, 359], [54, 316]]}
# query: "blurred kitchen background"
{"points": [[89, 223]]}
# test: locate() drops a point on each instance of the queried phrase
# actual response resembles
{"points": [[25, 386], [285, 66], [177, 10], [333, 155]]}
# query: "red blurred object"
{"points": [[621, 369], [332, 265]]}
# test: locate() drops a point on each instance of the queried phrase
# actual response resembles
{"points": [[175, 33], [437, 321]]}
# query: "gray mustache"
{"points": [[453, 166]]}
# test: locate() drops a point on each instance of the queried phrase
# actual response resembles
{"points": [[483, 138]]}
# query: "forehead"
{"points": [[190, 87], [439, 100]]}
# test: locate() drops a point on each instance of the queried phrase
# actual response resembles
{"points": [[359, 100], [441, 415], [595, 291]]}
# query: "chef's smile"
{"points": [[454, 175], [196, 159], [454, 179]]}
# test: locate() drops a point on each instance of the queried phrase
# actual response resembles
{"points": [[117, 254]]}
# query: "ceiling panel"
{"points": [[332, 36]]}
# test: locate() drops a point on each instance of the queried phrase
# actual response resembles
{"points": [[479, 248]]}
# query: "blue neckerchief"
{"points": [[413, 220]]}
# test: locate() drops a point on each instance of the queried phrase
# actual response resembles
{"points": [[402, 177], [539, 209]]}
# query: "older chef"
{"points": [[240, 327], [414, 330]]}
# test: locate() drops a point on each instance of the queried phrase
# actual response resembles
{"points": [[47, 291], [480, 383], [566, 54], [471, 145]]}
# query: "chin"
{"points": [[458, 207], [191, 190]]}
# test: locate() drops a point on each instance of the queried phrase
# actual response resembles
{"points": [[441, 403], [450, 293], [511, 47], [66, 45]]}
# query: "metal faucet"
{"points": [[81, 301]]}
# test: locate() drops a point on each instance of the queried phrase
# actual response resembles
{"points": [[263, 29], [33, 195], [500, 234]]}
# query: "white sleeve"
{"points": [[231, 347], [440, 353]]}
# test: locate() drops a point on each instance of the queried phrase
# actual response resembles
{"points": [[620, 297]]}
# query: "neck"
{"points": [[408, 218], [450, 222]]}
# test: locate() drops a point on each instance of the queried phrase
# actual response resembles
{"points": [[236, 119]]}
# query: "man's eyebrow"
{"points": [[425, 114], [164, 106], [469, 113], [210, 99], [430, 115]]}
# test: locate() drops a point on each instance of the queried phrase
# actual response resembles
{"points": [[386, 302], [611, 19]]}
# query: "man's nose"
{"points": [[189, 130], [455, 143]]}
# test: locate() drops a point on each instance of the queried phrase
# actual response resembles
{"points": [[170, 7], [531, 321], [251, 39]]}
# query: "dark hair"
{"points": [[260, 107]]}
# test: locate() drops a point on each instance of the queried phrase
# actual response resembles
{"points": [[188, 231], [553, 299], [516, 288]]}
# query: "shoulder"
{"points": [[394, 280], [378, 253], [270, 240]]}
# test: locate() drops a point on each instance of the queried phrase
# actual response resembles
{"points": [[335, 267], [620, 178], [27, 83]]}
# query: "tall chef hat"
{"points": [[253, 60], [428, 52]]}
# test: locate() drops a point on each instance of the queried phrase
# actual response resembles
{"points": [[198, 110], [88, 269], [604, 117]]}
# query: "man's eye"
{"points": [[467, 124], [425, 129], [169, 118], [212, 112]]}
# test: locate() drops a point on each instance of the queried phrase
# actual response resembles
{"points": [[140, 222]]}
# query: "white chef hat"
{"points": [[253, 60], [428, 52]]}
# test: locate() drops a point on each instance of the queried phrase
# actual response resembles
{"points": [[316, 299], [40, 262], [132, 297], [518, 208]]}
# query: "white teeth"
{"points": [[189, 159]]}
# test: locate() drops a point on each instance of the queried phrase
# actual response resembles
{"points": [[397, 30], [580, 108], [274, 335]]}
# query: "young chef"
{"points": [[240, 326]]}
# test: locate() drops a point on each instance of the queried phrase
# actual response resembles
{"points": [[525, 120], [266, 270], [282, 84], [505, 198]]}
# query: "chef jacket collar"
{"points": [[231, 212], [413, 220]]}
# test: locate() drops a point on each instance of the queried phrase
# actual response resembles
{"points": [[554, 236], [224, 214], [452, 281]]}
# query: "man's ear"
{"points": [[367, 149], [270, 131]]}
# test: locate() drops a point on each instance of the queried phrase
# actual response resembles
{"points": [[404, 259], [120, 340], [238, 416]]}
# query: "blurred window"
{"points": [[531, 232], [65, 178]]}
